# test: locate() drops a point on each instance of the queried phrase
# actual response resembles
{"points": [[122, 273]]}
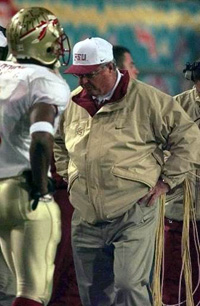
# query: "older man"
{"points": [[109, 149]]}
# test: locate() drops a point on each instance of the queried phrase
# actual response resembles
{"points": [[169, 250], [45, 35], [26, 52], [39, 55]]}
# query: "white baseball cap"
{"points": [[88, 54]]}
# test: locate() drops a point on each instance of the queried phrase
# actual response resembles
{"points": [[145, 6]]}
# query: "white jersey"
{"points": [[21, 86]]}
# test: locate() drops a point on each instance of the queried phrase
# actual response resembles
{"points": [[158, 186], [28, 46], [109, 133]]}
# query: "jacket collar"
{"points": [[84, 100], [197, 97]]}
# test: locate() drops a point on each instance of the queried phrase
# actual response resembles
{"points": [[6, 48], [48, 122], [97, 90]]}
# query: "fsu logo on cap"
{"points": [[79, 57]]}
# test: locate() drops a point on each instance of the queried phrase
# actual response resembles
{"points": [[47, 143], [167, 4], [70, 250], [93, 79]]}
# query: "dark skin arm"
{"points": [[41, 146]]}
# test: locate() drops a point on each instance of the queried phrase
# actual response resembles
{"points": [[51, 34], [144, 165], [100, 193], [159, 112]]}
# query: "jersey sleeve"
{"points": [[50, 91], [55, 92]]}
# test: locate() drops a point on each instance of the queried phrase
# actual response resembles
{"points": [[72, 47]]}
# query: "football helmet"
{"points": [[36, 33]]}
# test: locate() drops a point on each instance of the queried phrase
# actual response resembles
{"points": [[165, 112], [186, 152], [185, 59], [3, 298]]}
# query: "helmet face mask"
{"points": [[61, 48], [35, 33]]}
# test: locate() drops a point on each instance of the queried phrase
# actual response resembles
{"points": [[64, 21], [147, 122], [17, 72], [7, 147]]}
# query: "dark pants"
{"points": [[173, 263]]}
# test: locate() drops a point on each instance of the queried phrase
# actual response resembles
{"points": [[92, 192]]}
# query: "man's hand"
{"points": [[155, 192]]}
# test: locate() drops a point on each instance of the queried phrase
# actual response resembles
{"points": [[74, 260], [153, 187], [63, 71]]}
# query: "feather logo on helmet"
{"points": [[42, 33], [44, 26]]}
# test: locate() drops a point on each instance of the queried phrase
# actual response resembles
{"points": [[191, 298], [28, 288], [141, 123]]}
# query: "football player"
{"points": [[32, 96], [7, 279]]}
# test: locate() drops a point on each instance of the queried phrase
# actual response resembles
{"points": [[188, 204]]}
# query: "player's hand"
{"points": [[151, 197], [37, 196], [40, 198]]}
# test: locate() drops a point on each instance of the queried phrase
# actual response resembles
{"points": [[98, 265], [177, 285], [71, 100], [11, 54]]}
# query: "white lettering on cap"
{"points": [[79, 57]]}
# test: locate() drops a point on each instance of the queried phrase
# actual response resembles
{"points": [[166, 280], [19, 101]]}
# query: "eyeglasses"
{"points": [[92, 74]]}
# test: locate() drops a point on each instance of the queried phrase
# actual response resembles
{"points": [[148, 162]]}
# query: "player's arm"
{"points": [[42, 117]]}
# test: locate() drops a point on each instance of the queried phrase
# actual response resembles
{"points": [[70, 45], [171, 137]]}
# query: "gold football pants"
{"points": [[28, 238]]}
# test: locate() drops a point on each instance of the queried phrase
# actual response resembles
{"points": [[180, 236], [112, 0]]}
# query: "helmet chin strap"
{"points": [[21, 56], [57, 64]]}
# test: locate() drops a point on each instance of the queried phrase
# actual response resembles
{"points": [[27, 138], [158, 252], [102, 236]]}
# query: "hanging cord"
{"points": [[197, 248], [159, 247], [187, 267], [195, 229], [189, 214], [185, 252]]}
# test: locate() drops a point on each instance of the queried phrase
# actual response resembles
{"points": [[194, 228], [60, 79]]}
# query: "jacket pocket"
{"points": [[128, 175]]}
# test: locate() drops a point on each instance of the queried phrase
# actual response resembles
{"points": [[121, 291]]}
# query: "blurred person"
{"points": [[7, 10], [33, 94], [190, 102], [108, 140], [124, 60], [7, 278], [3, 44]]}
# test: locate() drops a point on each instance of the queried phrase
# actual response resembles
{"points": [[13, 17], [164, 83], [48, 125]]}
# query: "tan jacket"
{"points": [[114, 157], [190, 101]]}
